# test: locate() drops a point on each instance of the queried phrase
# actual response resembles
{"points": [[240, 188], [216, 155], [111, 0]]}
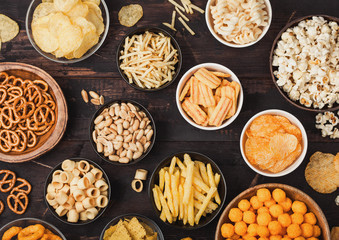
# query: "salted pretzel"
{"points": [[2, 207], [17, 203], [24, 186], [8, 180]]}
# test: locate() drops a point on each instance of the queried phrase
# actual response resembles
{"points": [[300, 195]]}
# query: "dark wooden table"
{"points": [[100, 73]]}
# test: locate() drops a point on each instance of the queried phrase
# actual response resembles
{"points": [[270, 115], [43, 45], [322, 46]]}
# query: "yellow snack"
{"points": [[274, 227], [235, 215], [316, 231], [264, 219], [263, 231], [244, 205], [275, 237], [252, 229], [293, 230], [240, 228], [297, 218], [249, 217], [278, 195], [276, 210], [299, 238], [299, 207], [227, 230], [284, 219], [310, 218], [270, 203], [307, 230], [255, 202], [263, 194], [287, 204], [263, 210], [286, 238]]}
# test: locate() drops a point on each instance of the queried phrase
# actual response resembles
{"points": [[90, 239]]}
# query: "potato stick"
{"points": [[188, 182], [186, 26], [185, 90], [168, 193], [200, 197], [212, 183], [196, 8], [190, 211], [197, 188], [163, 216], [177, 5], [196, 172], [182, 14], [181, 204], [156, 198], [217, 179], [208, 198], [169, 26], [210, 207], [172, 166], [162, 179], [173, 18], [175, 195], [198, 182], [203, 172], [190, 10], [165, 207], [185, 6], [185, 214]]}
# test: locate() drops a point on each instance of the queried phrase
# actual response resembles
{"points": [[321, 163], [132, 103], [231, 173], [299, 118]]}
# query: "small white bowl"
{"points": [[209, 22], [294, 121], [213, 67]]}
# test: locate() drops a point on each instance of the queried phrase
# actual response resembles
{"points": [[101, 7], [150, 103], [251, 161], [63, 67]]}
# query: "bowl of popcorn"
{"points": [[303, 63], [236, 23]]}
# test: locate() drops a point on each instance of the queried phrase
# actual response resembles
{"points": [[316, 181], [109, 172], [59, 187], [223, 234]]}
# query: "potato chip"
{"points": [[57, 22], [283, 144], [47, 1], [93, 18], [86, 26], [258, 152], [263, 126], [130, 15], [321, 173], [89, 40], [79, 10], [95, 8], [64, 5], [282, 164], [46, 41], [8, 28], [42, 10], [70, 38], [97, 2], [288, 127]]}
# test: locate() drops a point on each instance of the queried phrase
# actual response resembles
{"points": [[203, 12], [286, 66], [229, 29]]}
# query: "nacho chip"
{"points": [[130, 15], [321, 173], [8, 28]]}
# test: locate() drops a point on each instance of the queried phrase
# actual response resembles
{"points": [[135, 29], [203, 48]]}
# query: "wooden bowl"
{"points": [[49, 140], [272, 69], [291, 192]]}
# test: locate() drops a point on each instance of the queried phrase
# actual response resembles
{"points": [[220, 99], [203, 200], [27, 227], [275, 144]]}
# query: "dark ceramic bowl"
{"points": [[142, 30], [221, 188], [141, 107], [272, 68], [64, 218]]}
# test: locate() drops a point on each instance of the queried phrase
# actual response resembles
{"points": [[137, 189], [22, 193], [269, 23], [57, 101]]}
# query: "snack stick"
{"points": [[185, 90], [195, 112], [212, 183], [188, 182], [186, 26], [191, 209], [173, 19], [236, 90], [230, 93], [172, 166], [196, 8], [208, 198], [206, 77], [206, 95], [177, 5], [161, 179], [194, 90], [174, 186], [196, 172], [200, 197], [221, 74], [203, 172], [181, 165], [163, 216], [169, 26], [185, 6], [168, 193], [165, 207], [182, 14], [187, 159], [156, 197], [210, 207], [217, 179], [185, 206], [197, 182], [181, 204], [211, 109], [220, 111], [202, 97]]}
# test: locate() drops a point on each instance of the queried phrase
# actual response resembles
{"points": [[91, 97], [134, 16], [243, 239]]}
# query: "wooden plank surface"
{"points": [[100, 73]]}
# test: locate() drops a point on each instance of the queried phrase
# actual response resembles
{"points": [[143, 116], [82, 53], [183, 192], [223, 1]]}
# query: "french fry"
{"points": [[195, 112], [197, 182], [188, 182], [165, 207], [220, 111], [185, 90], [181, 203], [168, 193], [207, 199], [181, 165], [161, 179], [206, 77], [200, 197], [187, 159], [185, 218], [191, 210], [172, 166], [163, 216], [217, 179], [212, 183], [156, 197], [203, 172], [210, 207], [175, 194]]}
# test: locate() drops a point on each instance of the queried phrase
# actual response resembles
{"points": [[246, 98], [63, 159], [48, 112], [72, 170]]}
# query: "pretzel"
{"points": [[18, 206], [2, 207], [21, 187], [6, 180], [22, 141], [8, 140]]}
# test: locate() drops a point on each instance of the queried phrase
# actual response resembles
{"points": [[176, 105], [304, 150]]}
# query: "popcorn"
{"points": [[326, 122], [307, 58]]}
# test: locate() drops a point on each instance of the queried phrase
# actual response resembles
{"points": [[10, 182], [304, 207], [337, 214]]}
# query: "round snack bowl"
{"points": [[29, 16], [142, 30], [291, 192], [25, 222], [209, 22], [295, 122], [108, 104], [64, 218], [213, 67], [141, 218], [273, 68], [222, 189]]}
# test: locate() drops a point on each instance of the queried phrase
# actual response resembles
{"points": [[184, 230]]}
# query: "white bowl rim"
{"points": [[214, 66], [217, 37], [294, 120]]}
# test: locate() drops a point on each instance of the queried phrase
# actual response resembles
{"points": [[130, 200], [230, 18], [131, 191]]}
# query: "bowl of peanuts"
{"points": [[122, 132], [272, 211]]}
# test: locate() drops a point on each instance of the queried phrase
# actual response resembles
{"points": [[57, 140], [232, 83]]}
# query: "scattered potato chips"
{"points": [[272, 143], [322, 172], [8, 28], [129, 15], [209, 98], [67, 28]]}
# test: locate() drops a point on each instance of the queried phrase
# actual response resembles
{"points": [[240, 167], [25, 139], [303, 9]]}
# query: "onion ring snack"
{"points": [[31, 232]]}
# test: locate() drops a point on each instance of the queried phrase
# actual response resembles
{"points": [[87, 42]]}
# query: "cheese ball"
{"points": [[276, 210], [244, 205], [274, 227], [275, 237], [263, 219], [255, 202], [307, 230], [310, 218], [263, 194], [312, 238], [284, 219], [252, 229], [262, 210], [263, 238], [248, 217], [278, 195], [287, 204], [316, 231], [297, 218], [240, 228], [227, 230], [293, 230], [299, 207], [249, 237], [269, 203], [286, 238], [300, 238], [263, 231], [235, 215]]}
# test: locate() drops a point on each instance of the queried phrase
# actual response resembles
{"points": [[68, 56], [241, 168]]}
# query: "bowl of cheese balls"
{"points": [[272, 211]]}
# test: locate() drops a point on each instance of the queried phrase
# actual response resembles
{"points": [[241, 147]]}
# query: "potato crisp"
{"points": [[130, 15], [322, 172], [8, 29], [273, 143]]}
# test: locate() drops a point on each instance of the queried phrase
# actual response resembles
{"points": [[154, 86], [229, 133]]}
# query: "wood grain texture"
{"points": [[174, 134]]}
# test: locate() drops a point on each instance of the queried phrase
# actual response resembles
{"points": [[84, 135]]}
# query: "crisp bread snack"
{"points": [[136, 230], [121, 233]]}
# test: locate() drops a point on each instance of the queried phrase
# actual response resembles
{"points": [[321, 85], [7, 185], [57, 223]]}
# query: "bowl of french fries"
{"points": [[149, 58], [187, 190], [209, 96]]}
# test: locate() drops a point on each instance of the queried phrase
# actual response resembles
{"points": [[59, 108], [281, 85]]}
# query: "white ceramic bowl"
{"points": [[294, 121], [213, 67], [209, 22]]}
